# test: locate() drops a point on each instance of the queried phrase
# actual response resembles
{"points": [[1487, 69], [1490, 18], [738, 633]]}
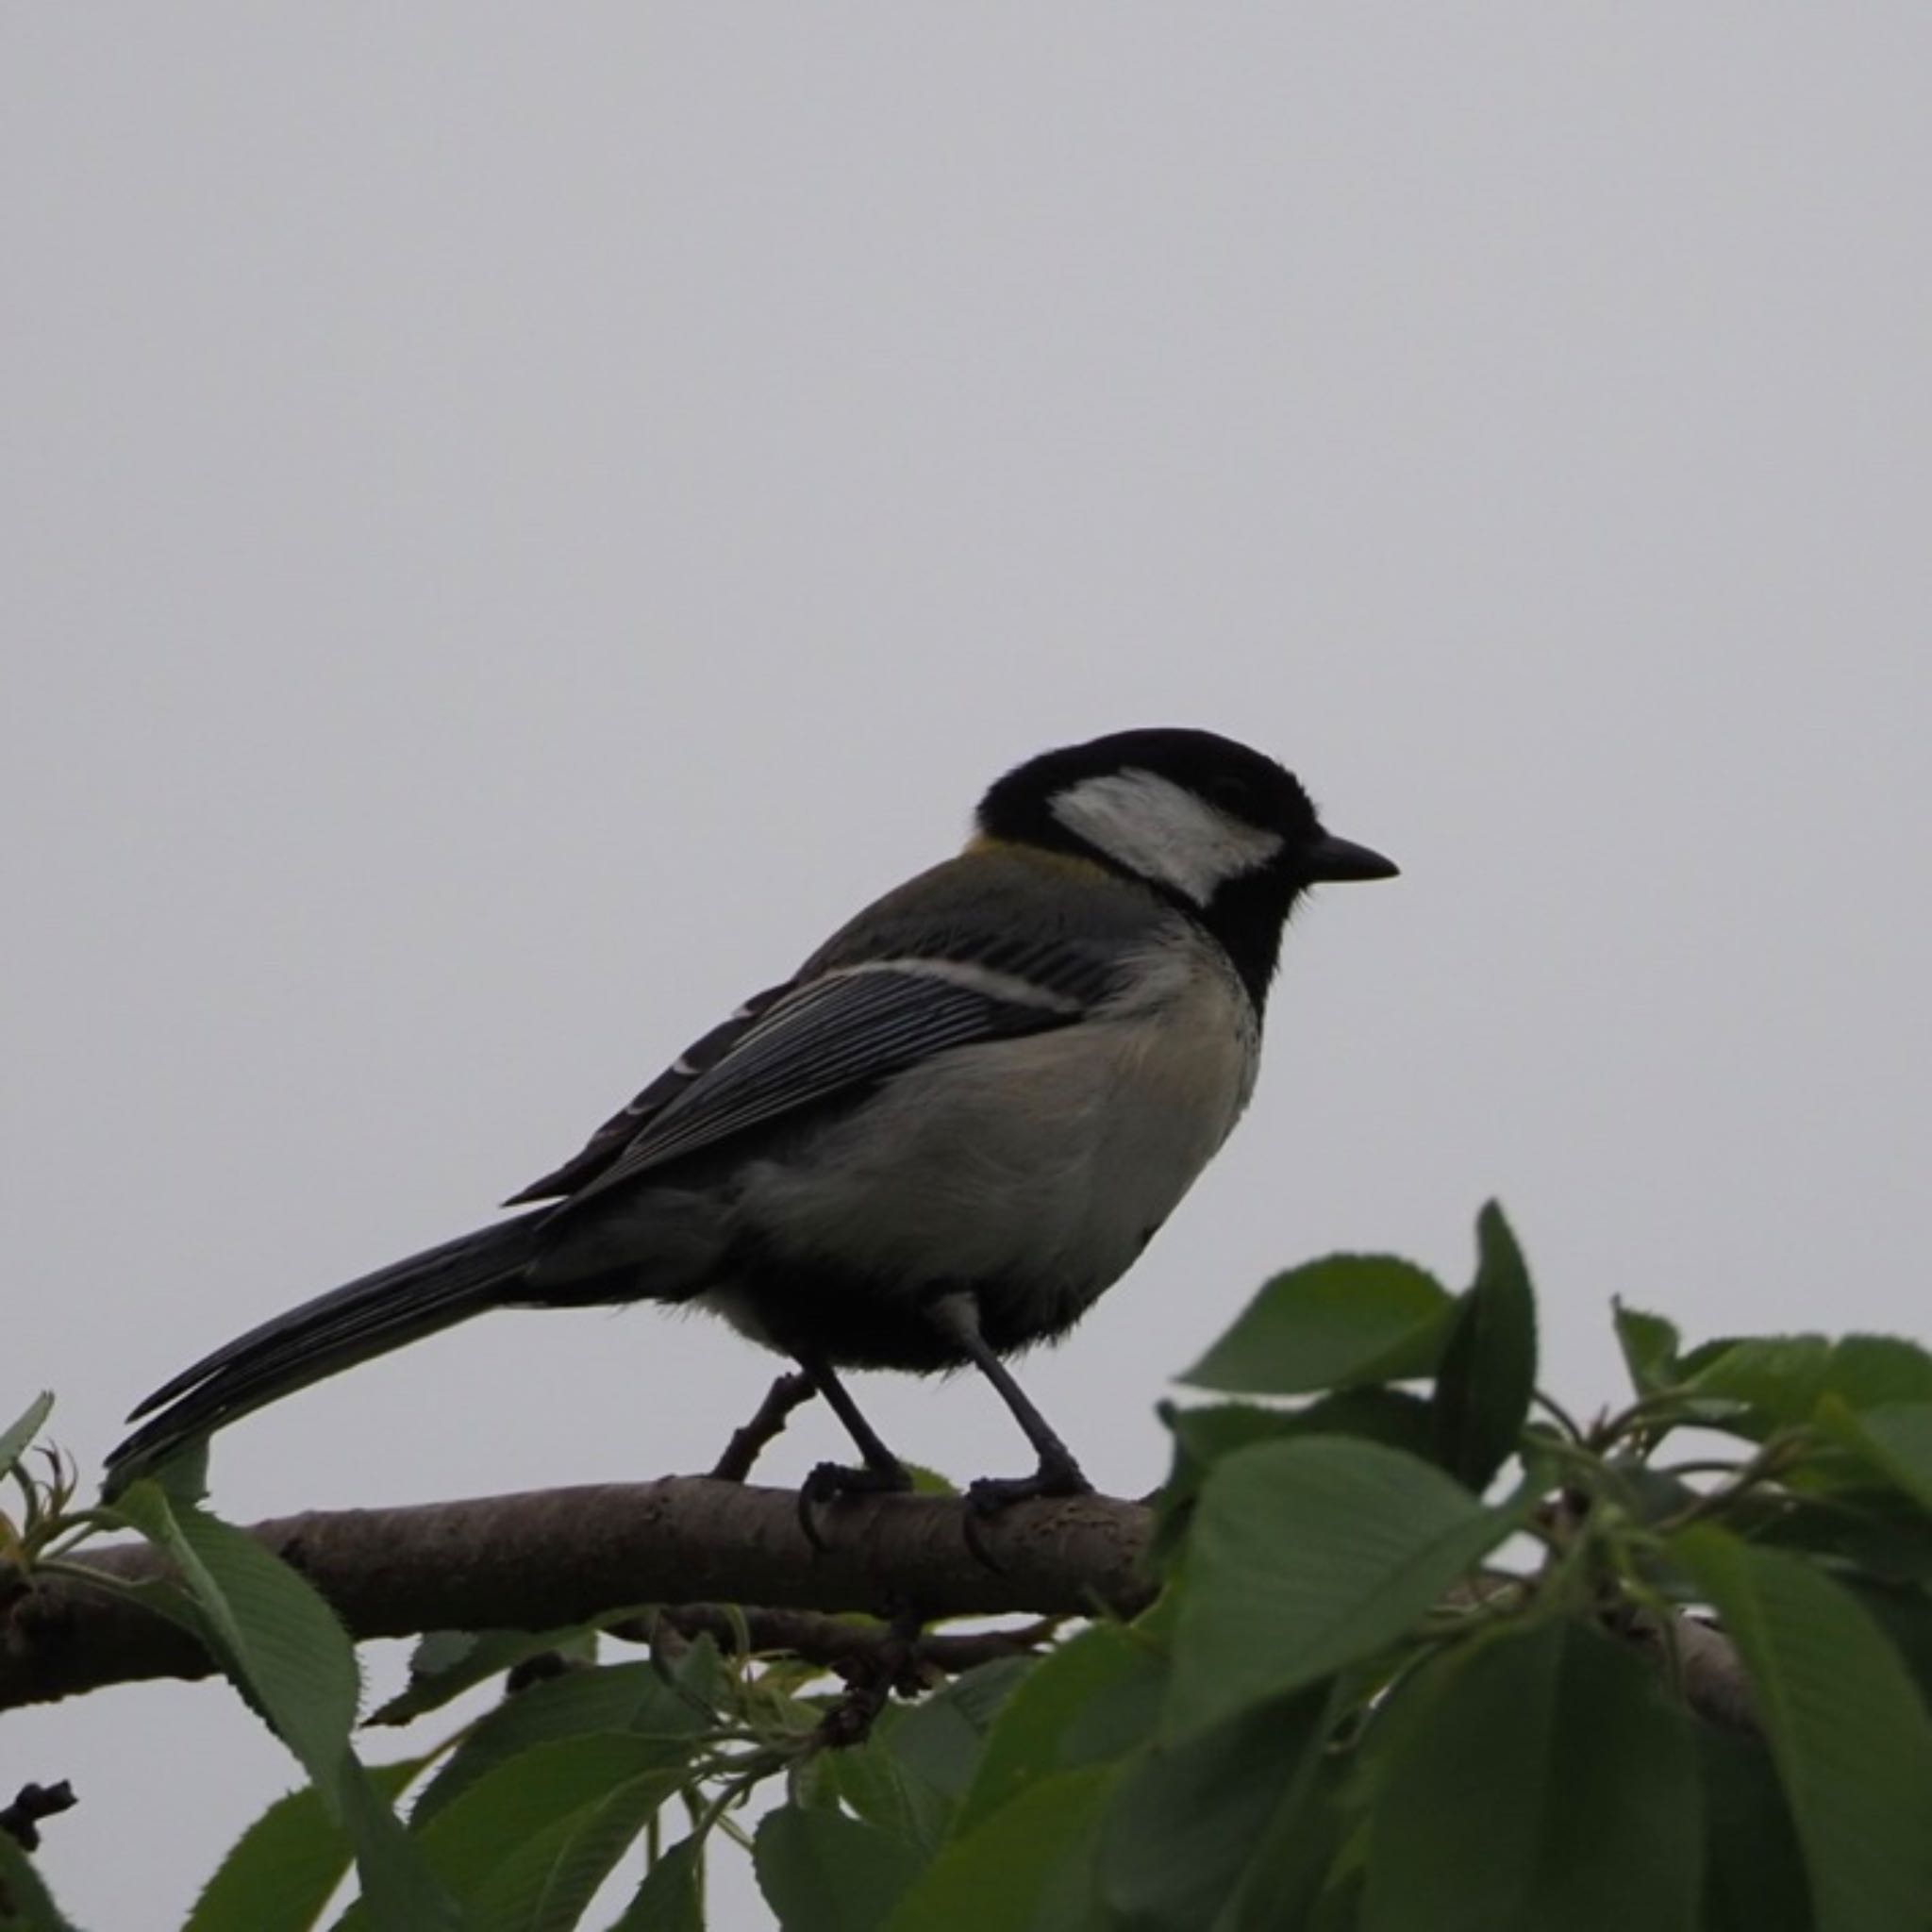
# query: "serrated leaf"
{"points": [[1488, 1370], [548, 1882], [1085, 1700], [1186, 1817], [281, 1643], [281, 1873], [278, 1638], [1546, 1782], [1845, 1725], [1004, 1873], [1306, 1556], [672, 1898], [520, 1800], [824, 1872], [18, 1436], [1334, 1323], [445, 1663], [1650, 1345], [630, 1698]]}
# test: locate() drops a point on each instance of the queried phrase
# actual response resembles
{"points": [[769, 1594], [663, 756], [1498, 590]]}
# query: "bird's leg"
{"points": [[883, 1472], [956, 1316]]}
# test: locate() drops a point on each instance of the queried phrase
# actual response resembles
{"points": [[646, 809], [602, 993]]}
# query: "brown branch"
{"points": [[546, 1559], [787, 1393], [541, 1560]]}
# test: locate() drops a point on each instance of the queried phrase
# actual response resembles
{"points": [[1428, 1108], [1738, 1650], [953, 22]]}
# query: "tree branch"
{"points": [[543, 1560], [790, 1391], [546, 1559]]}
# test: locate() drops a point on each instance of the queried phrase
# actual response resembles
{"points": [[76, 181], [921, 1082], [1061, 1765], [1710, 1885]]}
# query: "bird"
{"points": [[935, 1146]]}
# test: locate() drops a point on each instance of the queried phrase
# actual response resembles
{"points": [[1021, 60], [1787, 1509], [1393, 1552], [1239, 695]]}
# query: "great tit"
{"points": [[937, 1143]]}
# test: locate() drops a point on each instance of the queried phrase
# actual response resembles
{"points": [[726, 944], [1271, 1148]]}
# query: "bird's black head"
{"points": [[1221, 831]]}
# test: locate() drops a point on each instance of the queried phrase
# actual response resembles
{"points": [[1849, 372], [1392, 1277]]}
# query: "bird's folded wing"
{"points": [[807, 1043], [621, 1129]]}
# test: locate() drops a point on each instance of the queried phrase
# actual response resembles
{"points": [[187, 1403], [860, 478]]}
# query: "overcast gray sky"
{"points": [[518, 518]]}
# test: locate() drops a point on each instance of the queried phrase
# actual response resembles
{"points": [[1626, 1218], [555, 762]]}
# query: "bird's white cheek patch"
{"points": [[1164, 832]]}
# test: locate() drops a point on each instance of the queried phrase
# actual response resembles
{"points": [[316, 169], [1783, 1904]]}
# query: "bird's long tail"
{"points": [[369, 1317]]}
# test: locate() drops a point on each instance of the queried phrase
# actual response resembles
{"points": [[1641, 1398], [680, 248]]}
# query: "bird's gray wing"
{"points": [[621, 1129], [818, 1039]]}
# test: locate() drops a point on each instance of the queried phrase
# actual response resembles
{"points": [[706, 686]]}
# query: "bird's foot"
{"points": [[991, 1495], [830, 1481]]}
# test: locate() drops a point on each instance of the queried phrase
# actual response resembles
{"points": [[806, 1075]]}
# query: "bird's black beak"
{"points": [[1332, 860]]}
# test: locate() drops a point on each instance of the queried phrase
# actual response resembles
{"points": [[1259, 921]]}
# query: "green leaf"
{"points": [[484, 1831], [1336, 1324], [824, 1872], [1306, 1556], [611, 1698], [1876, 1530], [1295, 1857], [282, 1645], [1904, 1614], [445, 1663], [26, 1903], [1186, 1817], [547, 1883], [1548, 1783], [1022, 1861], [1754, 1874], [941, 1737], [1102, 1686], [278, 1638], [1894, 1438], [1845, 1725], [871, 1781], [1870, 1370], [1202, 1436], [1650, 1345], [1779, 1378], [1488, 1372], [672, 1898], [18, 1436], [281, 1873]]}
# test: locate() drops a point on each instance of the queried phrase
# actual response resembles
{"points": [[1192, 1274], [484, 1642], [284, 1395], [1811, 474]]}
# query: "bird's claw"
{"points": [[991, 1495], [831, 1480]]}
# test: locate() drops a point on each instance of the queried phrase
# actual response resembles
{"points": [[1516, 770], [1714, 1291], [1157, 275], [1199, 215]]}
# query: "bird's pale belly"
{"points": [[1032, 1173]]}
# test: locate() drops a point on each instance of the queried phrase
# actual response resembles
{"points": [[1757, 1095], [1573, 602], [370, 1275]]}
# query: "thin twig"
{"points": [[833, 1641], [747, 1444], [21, 1820]]}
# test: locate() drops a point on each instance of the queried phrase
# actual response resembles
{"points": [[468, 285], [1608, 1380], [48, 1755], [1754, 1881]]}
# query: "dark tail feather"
{"points": [[381, 1311]]}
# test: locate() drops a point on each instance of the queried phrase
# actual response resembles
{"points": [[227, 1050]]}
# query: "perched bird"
{"points": [[938, 1143]]}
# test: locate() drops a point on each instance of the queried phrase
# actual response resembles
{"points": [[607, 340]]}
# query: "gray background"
{"points": [[516, 520]]}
